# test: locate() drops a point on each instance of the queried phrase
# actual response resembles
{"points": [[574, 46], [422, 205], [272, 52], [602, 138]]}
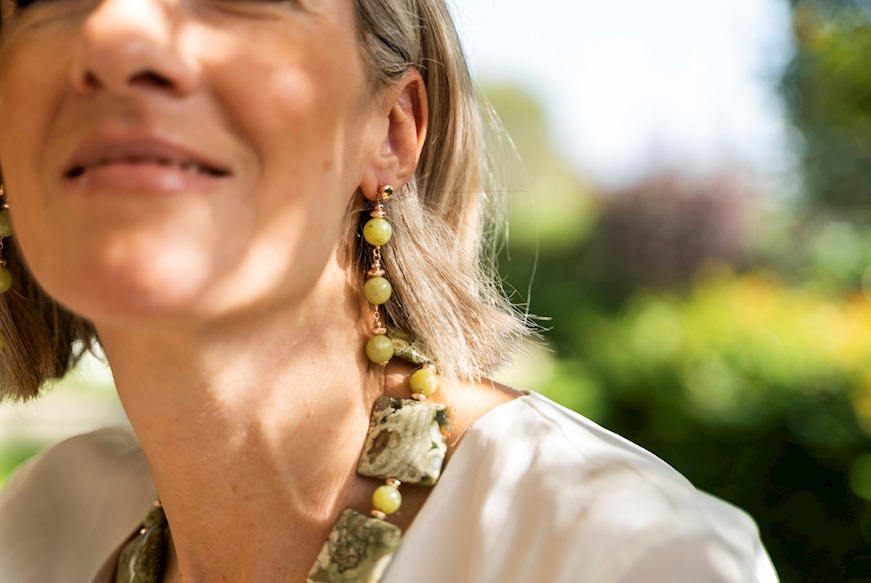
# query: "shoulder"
{"points": [[90, 490], [549, 495]]}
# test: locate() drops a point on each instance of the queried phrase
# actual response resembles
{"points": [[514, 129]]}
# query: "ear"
{"points": [[394, 163]]}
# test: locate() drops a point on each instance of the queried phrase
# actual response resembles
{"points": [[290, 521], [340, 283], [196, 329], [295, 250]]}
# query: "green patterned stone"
{"points": [[406, 441], [358, 550], [408, 349], [143, 558]]}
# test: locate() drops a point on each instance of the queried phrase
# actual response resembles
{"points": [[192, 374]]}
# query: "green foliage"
{"points": [[757, 391], [543, 174], [752, 378], [828, 91], [13, 454]]}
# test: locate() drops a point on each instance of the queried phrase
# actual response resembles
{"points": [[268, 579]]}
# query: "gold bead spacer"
{"points": [[375, 272], [378, 213], [378, 514], [380, 330], [393, 482], [418, 397]]}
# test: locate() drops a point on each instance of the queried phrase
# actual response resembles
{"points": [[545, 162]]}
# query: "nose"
{"points": [[132, 46]]}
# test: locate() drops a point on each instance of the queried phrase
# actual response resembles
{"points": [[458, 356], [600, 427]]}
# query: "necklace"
{"points": [[406, 444]]}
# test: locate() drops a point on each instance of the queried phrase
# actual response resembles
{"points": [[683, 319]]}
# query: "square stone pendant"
{"points": [[358, 550], [406, 441]]}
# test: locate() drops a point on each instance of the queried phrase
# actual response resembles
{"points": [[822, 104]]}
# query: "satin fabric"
{"points": [[534, 493]]}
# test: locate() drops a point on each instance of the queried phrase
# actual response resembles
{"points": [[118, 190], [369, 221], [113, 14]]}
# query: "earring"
{"points": [[380, 348], [5, 231], [377, 290]]}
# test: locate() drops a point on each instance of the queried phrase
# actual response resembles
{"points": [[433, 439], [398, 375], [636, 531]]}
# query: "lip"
{"points": [[141, 163]]}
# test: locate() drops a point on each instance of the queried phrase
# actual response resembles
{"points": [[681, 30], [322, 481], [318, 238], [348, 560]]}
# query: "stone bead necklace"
{"points": [[406, 444]]}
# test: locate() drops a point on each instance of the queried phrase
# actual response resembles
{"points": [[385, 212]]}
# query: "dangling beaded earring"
{"points": [[377, 290]]}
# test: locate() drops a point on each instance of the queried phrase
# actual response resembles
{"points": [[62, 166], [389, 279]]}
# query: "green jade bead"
{"points": [[387, 499], [377, 232], [5, 280], [5, 224], [379, 349], [424, 381], [377, 290]]}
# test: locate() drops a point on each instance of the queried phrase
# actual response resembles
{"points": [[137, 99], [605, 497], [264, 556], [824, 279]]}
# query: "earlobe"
{"points": [[407, 114]]}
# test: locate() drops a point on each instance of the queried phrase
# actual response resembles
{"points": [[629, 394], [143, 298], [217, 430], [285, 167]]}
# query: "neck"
{"points": [[253, 428], [249, 428]]}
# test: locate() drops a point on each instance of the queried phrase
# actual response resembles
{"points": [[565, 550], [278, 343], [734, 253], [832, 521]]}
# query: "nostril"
{"points": [[91, 80], [151, 79]]}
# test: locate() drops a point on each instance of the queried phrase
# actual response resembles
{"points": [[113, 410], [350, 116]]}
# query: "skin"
{"points": [[232, 324]]}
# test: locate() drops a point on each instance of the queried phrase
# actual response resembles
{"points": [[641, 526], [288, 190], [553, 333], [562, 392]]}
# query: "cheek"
{"points": [[31, 89], [301, 113], [294, 126], [28, 106], [296, 103]]}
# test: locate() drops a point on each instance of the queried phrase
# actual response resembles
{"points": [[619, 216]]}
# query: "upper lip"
{"points": [[103, 149]]}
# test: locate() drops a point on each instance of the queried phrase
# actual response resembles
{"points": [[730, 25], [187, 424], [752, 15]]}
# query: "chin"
{"points": [[145, 288]]}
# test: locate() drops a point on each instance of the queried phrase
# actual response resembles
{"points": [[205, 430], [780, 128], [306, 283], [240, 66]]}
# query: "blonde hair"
{"points": [[446, 294]]}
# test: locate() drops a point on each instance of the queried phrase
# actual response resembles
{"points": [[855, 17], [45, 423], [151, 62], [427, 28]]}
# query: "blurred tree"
{"points": [[661, 231], [827, 88], [755, 386], [550, 205]]}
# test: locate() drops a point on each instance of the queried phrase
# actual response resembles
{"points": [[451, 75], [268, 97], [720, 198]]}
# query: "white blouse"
{"points": [[534, 493]]}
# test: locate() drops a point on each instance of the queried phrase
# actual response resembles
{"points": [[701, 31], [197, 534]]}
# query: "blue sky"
{"points": [[630, 83]]}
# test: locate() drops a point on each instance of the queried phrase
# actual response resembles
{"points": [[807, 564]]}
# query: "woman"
{"points": [[188, 180]]}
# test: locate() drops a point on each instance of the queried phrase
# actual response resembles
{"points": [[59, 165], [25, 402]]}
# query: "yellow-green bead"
{"points": [[5, 280], [377, 232], [5, 224], [377, 290], [379, 349], [387, 499], [424, 381]]}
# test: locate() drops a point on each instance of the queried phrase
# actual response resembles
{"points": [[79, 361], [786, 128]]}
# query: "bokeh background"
{"points": [[689, 226]]}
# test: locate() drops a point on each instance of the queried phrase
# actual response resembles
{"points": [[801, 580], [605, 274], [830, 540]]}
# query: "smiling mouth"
{"points": [[184, 166]]}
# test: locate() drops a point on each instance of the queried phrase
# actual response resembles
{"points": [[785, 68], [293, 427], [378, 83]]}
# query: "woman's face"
{"points": [[178, 157]]}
